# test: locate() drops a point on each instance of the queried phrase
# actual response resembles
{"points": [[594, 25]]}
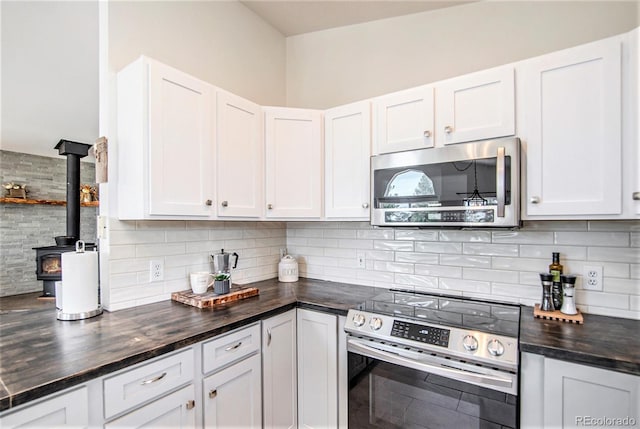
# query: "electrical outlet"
{"points": [[283, 252], [362, 262], [156, 271], [592, 277]]}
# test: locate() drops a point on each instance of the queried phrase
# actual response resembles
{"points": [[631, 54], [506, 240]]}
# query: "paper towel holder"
{"points": [[77, 295]]}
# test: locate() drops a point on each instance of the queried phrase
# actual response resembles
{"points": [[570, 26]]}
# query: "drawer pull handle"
{"points": [[228, 349], [213, 393], [154, 379], [636, 196], [268, 337], [191, 404]]}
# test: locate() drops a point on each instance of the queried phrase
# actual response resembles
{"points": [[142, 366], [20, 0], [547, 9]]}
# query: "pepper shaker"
{"points": [[547, 301]]}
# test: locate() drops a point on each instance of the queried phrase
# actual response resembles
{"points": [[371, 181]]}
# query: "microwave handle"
{"points": [[500, 179]]}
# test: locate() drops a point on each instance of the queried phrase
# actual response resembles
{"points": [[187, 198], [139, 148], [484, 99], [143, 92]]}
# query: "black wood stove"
{"points": [[48, 258]]}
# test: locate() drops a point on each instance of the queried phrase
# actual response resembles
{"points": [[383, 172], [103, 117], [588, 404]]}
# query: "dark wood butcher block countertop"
{"points": [[40, 355], [604, 342]]}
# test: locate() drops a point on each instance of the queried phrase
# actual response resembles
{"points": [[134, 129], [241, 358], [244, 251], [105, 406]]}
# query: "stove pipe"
{"points": [[73, 151]]}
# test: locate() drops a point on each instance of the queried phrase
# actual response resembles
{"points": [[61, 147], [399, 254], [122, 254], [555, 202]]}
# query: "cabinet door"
{"points": [[574, 393], [347, 146], [293, 140], [233, 396], [317, 370], [176, 410], [573, 131], [279, 371], [240, 157], [69, 410], [404, 120], [180, 143], [476, 106]]}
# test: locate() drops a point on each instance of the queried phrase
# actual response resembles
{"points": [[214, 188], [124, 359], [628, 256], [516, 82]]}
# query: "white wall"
{"points": [[333, 67], [49, 74], [221, 42]]}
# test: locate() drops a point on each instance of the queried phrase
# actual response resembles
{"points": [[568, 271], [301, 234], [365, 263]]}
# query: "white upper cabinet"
{"points": [[293, 149], [404, 120], [476, 106], [165, 143], [631, 124], [572, 129], [239, 157], [347, 150]]}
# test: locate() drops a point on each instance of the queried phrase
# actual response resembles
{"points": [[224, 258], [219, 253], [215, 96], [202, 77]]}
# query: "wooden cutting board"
{"points": [[557, 315], [209, 299]]}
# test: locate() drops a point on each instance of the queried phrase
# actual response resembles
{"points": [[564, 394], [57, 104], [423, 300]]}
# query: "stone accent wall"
{"points": [[24, 226]]}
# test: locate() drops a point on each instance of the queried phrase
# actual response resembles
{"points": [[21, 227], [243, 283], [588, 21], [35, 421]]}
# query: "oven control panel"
{"points": [[422, 333]]}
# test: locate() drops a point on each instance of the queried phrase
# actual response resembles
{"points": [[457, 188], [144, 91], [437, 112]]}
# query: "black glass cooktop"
{"points": [[486, 316]]}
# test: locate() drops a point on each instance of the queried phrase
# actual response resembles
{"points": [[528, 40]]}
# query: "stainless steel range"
{"points": [[432, 361]]}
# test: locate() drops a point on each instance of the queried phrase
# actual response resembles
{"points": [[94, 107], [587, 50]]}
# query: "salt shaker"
{"points": [[568, 289], [547, 301]]}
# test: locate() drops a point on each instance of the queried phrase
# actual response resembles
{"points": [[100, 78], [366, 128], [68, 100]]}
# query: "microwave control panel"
{"points": [[456, 216]]}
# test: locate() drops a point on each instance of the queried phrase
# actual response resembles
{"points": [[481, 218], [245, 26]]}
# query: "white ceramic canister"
{"points": [[288, 269]]}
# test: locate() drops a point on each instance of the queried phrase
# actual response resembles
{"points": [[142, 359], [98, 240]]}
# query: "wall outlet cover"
{"points": [[592, 277], [156, 271]]}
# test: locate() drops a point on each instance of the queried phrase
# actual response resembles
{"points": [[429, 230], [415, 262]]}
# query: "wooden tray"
{"points": [[209, 299], [557, 315]]}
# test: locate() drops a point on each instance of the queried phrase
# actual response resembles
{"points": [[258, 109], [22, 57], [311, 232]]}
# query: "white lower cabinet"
{"points": [[317, 369], [176, 410], [67, 410], [233, 396], [279, 371], [560, 394]]}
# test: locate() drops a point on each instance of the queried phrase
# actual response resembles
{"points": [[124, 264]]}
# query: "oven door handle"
{"points": [[500, 181], [422, 363]]}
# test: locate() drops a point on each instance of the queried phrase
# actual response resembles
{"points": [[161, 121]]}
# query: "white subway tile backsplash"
{"points": [[540, 251], [136, 237], [472, 286], [355, 244], [322, 242], [515, 292], [146, 250], [614, 254], [625, 286], [634, 271], [613, 312], [438, 247], [421, 258], [397, 246], [224, 234], [555, 225], [305, 232], [417, 280], [204, 246], [466, 236], [173, 236], [375, 276], [521, 264], [341, 253], [466, 261], [414, 234], [376, 255], [635, 239], [438, 270], [339, 233], [490, 249], [375, 234], [634, 302], [490, 275], [602, 299], [393, 267], [620, 239], [617, 225], [522, 237], [305, 250]]}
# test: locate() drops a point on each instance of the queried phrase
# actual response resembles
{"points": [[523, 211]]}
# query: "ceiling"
{"points": [[298, 17]]}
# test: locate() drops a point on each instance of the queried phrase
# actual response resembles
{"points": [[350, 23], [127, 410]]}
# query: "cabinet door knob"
{"points": [[636, 196], [225, 203], [365, 205], [191, 404], [269, 206], [213, 393], [427, 133], [208, 202], [534, 200], [448, 129]]}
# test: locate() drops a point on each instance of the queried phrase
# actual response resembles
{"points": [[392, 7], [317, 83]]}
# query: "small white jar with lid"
{"points": [[288, 269]]}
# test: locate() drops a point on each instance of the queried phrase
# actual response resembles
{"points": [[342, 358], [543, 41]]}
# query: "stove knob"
{"points": [[470, 343], [358, 320], [375, 323], [495, 348]]}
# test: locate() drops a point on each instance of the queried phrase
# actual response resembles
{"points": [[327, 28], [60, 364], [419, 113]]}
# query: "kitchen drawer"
{"points": [[147, 381], [229, 348], [69, 410]]}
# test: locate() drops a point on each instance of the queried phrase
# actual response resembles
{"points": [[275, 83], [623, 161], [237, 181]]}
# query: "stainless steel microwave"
{"points": [[473, 184]]}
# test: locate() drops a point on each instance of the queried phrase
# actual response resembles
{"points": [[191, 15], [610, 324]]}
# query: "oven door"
{"points": [[391, 387]]}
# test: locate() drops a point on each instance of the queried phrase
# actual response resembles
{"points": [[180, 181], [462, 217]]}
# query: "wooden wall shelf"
{"points": [[45, 202]]}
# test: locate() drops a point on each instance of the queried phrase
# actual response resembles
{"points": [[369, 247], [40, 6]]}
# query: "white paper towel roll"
{"points": [[79, 282]]}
